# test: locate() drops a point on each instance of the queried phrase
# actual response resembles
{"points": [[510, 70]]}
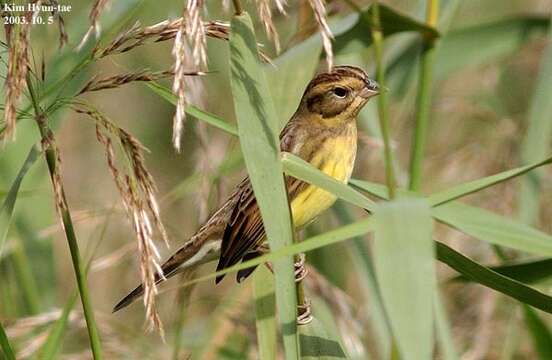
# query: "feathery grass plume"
{"points": [[265, 13], [17, 38], [96, 84], [137, 191], [319, 10], [63, 37], [136, 36], [195, 32], [49, 142], [95, 12], [192, 32], [179, 85]]}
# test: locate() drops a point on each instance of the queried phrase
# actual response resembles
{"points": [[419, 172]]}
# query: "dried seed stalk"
{"points": [[265, 13], [95, 12], [319, 10], [179, 85], [137, 191], [17, 38], [165, 30], [196, 32], [96, 84]]}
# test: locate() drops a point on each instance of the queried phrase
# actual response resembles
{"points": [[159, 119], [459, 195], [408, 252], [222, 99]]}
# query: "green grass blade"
{"points": [[52, 346], [258, 129], [527, 272], [403, 253], [481, 224], [538, 137], [265, 307], [442, 326], [290, 74], [540, 334], [485, 276], [392, 22], [300, 169], [495, 39], [194, 111], [5, 345], [318, 343], [358, 228], [493, 228], [461, 190], [6, 211], [365, 273]]}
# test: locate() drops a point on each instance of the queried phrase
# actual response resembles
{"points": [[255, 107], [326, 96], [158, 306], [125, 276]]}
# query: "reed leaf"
{"points": [[5, 345], [461, 190], [8, 205], [538, 137], [258, 129], [265, 313], [192, 110], [491, 279], [403, 254]]}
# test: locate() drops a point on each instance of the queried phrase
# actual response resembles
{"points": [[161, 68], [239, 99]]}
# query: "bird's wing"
{"points": [[245, 231]]}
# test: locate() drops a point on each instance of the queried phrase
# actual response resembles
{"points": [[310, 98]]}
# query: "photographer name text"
{"points": [[34, 7]]}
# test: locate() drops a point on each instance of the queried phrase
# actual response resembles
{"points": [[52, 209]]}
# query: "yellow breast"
{"points": [[336, 158]]}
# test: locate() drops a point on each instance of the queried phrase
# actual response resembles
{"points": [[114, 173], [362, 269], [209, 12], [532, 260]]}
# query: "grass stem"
{"points": [[423, 100], [51, 160], [237, 7], [377, 38]]}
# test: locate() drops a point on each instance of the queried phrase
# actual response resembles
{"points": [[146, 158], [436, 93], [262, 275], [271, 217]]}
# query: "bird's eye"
{"points": [[340, 92]]}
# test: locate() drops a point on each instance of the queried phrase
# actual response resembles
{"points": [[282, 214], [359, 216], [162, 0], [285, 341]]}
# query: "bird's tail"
{"points": [[195, 252]]}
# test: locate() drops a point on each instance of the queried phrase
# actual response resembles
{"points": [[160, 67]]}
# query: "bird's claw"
{"points": [[301, 270], [304, 313]]}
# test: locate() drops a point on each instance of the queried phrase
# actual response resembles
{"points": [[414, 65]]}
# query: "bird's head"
{"points": [[338, 96]]}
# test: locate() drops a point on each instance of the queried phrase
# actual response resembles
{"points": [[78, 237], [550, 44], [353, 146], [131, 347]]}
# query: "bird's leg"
{"points": [[304, 314], [301, 270], [264, 249]]}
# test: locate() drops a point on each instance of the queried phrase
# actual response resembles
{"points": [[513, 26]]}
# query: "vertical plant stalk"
{"points": [[377, 38], [237, 7], [52, 155], [423, 100], [537, 138]]}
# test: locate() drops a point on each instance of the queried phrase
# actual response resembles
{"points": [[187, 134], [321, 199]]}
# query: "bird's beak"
{"points": [[371, 89]]}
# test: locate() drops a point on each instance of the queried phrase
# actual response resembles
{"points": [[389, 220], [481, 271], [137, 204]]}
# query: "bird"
{"points": [[323, 132]]}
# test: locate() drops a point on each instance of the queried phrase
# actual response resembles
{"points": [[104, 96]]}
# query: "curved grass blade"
{"points": [[491, 279], [541, 336], [481, 224], [392, 22], [403, 254], [470, 187], [6, 211], [258, 130], [493, 228], [300, 169], [194, 111], [494, 41], [358, 228], [52, 346], [265, 307], [442, 327], [538, 137], [5, 345], [363, 264], [318, 343], [527, 272]]}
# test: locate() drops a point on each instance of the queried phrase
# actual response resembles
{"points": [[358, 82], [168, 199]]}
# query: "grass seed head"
{"points": [[319, 9]]}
